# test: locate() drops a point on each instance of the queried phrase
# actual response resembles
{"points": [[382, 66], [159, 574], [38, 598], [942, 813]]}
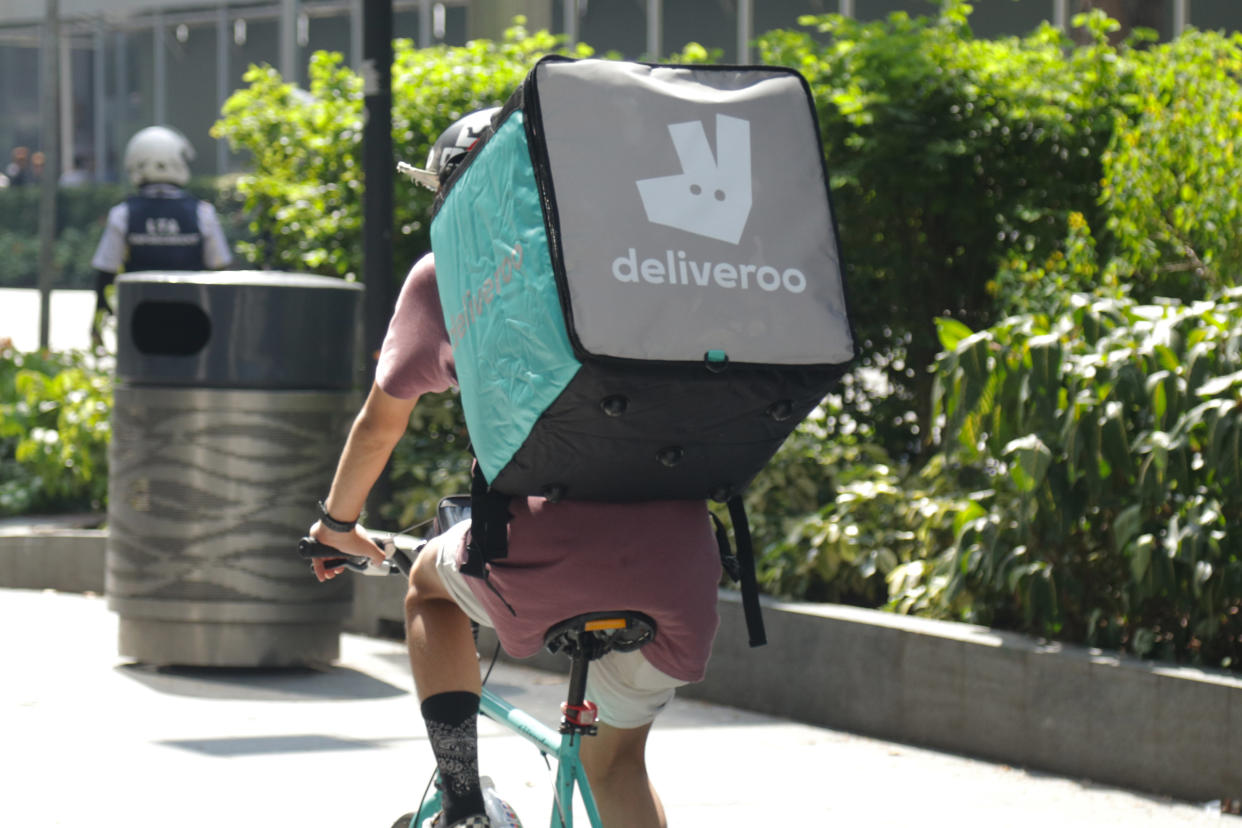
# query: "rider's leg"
{"points": [[441, 645], [446, 677], [617, 769]]}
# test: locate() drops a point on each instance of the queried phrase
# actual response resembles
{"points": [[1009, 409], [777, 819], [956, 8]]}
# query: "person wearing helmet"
{"points": [[161, 226], [539, 584], [451, 148]]}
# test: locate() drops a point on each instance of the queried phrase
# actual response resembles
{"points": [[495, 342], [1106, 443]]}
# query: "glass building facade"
{"points": [[126, 64]]}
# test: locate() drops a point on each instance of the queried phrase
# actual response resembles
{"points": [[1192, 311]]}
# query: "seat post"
{"points": [[577, 714], [577, 679]]}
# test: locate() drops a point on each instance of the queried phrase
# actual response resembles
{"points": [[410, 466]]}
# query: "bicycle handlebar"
{"points": [[399, 553]]}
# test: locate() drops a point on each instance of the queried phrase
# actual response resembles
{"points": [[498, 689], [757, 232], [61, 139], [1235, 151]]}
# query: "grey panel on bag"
{"points": [[693, 213]]}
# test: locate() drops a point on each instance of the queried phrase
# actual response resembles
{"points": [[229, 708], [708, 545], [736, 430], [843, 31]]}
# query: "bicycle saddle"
{"points": [[594, 634]]}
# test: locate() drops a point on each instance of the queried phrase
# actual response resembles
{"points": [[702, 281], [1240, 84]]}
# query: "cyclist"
{"points": [[564, 559], [161, 226]]}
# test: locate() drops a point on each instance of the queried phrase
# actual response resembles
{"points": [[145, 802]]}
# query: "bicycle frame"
{"points": [[562, 746]]}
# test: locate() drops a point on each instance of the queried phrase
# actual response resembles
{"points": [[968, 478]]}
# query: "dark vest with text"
{"points": [[163, 233]]}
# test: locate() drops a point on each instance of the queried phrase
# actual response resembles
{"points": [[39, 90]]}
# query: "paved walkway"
{"points": [[88, 739], [69, 316]]}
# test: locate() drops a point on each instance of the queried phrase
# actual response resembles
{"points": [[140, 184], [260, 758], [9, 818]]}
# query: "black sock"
{"points": [[453, 725]]}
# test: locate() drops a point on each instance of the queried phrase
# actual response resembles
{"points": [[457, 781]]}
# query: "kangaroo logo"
{"points": [[712, 195]]}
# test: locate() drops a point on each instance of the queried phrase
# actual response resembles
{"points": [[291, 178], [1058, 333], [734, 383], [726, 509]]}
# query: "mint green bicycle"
{"points": [[583, 638]]}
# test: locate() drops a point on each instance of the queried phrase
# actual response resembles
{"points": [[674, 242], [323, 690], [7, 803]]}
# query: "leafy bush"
{"points": [[1171, 188], [947, 156], [1021, 286], [878, 518], [20, 253], [305, 191], [54, 432], [1110, 441]]}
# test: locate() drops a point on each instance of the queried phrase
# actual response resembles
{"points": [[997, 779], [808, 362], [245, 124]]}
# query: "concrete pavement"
{"points": [[89, 739], [70, 318]]}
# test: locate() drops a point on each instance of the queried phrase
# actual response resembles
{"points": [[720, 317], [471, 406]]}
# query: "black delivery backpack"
{"points": [[639, 271]]}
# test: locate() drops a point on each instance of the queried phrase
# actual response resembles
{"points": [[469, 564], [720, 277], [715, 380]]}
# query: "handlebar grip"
{"points": [[311, 549]]}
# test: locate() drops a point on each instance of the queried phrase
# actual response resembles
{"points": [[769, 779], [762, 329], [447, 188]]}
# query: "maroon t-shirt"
{"points": [[571, 557]]}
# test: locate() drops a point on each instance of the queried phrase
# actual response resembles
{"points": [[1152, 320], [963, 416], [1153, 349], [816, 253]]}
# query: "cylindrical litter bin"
{"points": [[234, 395]]}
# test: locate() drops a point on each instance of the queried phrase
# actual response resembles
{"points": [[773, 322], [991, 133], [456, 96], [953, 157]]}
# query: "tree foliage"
{"points": [[948, 154], [1171, 189], [304, 190]]}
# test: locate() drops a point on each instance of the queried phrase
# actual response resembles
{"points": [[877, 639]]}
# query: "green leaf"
{"points": [[1140, 557], [1220, 385], [1046, 356], [973, 357], [965, 516], [1167, 359], [1031, 459], [1203, 572], [1126, 525], [950, 332]]}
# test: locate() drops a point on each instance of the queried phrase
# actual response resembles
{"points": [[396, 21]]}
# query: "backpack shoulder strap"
{"points": [[489, 526], [744, 565]]}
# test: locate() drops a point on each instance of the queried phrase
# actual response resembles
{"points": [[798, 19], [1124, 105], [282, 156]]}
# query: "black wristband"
{"points": [[334, 524]]}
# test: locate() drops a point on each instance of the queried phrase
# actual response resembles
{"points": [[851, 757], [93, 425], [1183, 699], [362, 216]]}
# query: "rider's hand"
{"points": [[354, 543]]}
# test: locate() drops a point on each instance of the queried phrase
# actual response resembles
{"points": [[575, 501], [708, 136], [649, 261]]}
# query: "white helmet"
{"points": [[158, 155]]}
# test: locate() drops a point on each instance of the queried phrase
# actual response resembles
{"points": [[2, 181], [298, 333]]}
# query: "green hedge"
{"points": [[54, 430], [1108, 442], [949, 155]]}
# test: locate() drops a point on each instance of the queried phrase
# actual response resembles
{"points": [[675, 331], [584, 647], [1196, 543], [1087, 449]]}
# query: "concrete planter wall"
{"points": [[1066, 710], [68, 560]]}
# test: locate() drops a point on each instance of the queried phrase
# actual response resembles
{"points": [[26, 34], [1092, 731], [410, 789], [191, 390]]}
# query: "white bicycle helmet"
{"points": [[451, 147], [158, 155]]}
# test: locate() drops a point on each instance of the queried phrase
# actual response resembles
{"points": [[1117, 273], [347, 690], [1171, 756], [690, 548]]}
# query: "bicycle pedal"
{"points": [[499, 812]]}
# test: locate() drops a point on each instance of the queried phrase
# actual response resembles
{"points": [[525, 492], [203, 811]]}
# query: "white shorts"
{"points": [[628, 690]]}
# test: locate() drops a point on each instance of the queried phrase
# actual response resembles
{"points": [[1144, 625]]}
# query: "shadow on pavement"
{"points": [[259, 684], [232, 746]]}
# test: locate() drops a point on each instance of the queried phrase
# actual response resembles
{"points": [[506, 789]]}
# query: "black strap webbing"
{"points": [[728, 561], [750, 585], [489, 526]]}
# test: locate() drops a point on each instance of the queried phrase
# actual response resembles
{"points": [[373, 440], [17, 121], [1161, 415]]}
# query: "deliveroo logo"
{"points": [[712, 195]]}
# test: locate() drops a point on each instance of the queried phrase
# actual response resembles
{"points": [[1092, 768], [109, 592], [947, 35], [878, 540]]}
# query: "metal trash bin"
{"points": [[234, 396]]}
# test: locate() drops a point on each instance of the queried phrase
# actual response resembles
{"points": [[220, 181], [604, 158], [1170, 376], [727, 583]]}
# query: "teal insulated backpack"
{"points": [[639, 271]]}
